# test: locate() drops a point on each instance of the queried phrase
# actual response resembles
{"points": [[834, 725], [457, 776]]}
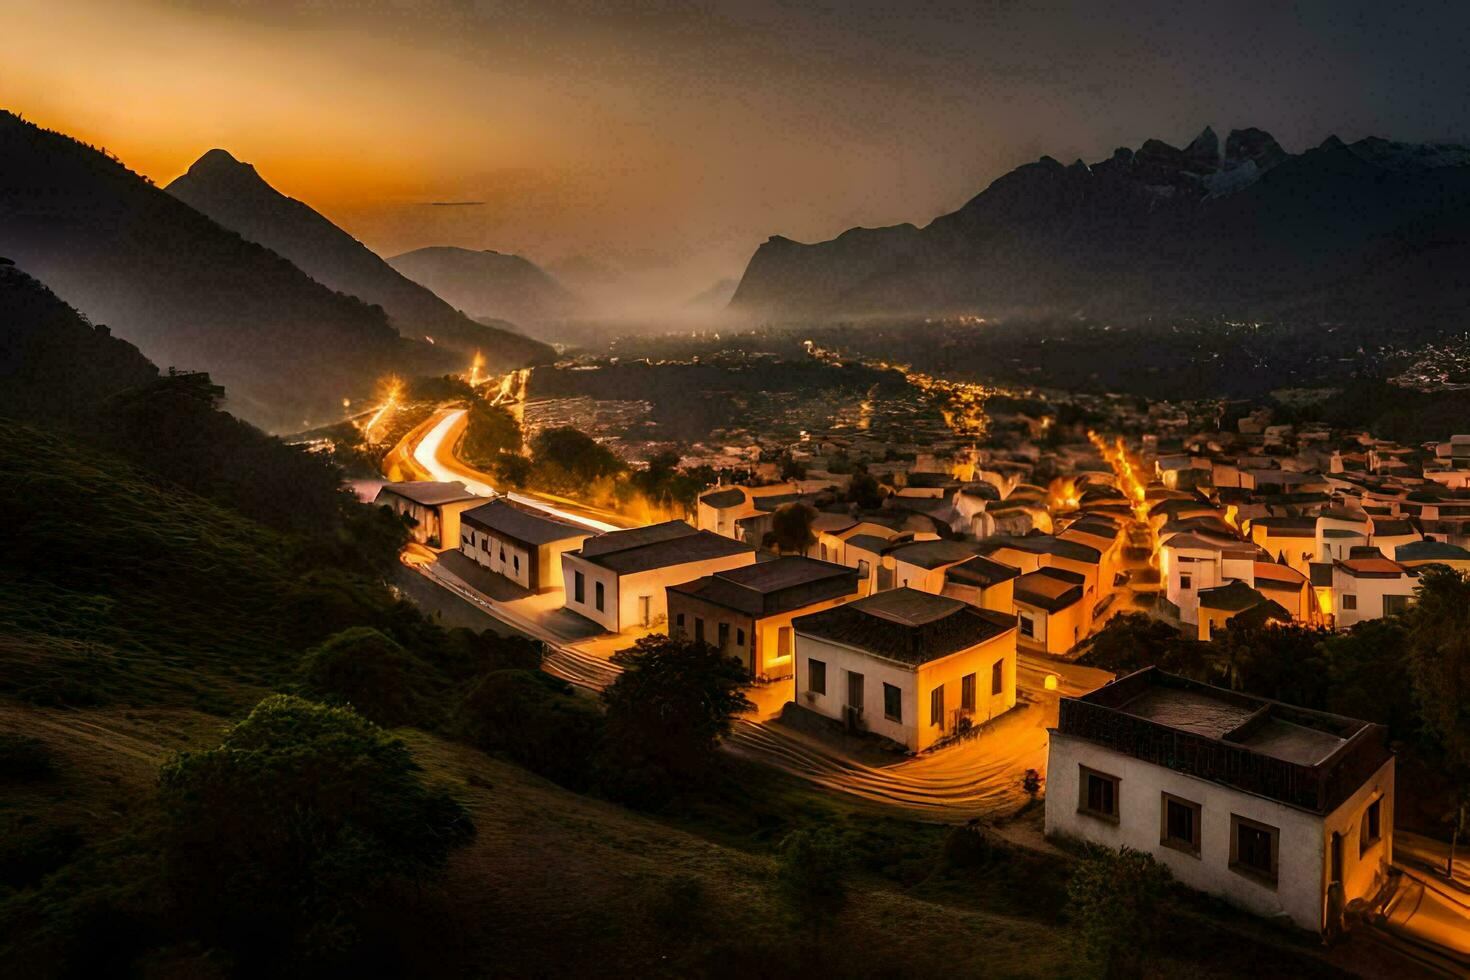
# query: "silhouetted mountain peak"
{"points": [[1252, 145], [1203, 152], [220, 165]]}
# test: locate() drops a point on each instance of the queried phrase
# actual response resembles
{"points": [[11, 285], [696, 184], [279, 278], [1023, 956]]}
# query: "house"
{"points": [[524, 546], [983, 582], [1049, 610], [1288, 588], [1219, 605], [432, 509], [747, 611], [1370, 587], [907, 665], [1281, 811], [921, 564], [618, 579]]}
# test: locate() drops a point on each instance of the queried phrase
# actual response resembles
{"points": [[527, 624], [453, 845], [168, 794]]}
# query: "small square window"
{"points": [[1028, 627], [816, 676], [1350, 602], [892, 703], [1180, 824], [1098, 794], [1253, 849], [1186, 582]]}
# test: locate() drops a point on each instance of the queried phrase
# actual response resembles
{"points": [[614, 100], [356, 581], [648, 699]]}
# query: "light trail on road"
{"points": [[434, 454]]}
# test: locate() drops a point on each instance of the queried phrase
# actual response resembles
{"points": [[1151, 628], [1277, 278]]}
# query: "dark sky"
{"points": [[672, 138]]}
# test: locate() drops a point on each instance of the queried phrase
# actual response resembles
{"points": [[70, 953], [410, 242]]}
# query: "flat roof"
{"points": [[981, 571], [771, 587], [933, 554], [1052, 589], [664, 552], [733, 497], [1310, 760]]}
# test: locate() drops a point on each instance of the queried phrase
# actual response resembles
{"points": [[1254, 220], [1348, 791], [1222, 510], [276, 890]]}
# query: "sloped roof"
{"points": [[1052, 589], [981, 571], [511, 521], [771, 587], [907, 625], [429, 493], [720, 499], [932, 554]]}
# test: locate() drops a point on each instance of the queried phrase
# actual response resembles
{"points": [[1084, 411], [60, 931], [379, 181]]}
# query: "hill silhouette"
{"points": [[188, 292], [488, 284], [235, 195], [1338, 231]]}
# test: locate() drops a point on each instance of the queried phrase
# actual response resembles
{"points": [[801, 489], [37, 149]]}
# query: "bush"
{"points": [[536, 720], [968, 846], [812, 868], [276, 841], [1115, 903], [23, 759], [374, 674]]}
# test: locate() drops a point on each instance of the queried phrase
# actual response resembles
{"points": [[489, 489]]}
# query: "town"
{"points": [[930, 583]]}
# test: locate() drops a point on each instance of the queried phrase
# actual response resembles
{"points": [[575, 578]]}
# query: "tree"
{"points": [[1114, 900], [371, 671], [490, 431], [1131, 641], [811, 871], [791, 528], [277, 840], [1439, 666], [568, 460], [536, 720], [1366, 675], [864, 491], [666, 714]]}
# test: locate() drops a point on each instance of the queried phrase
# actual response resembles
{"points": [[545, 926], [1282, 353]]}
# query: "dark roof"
{"points": [[663, 552], [932, 554], [1394, 527], [634, 537], [1288, 527], [1305, 759], [510, 521], [980, 571], [775, 501], [1430, 549], [907, 625], [869, 542], [1052, 589], [1232, 597], [428, 492], [771, 587], [732, 497]]}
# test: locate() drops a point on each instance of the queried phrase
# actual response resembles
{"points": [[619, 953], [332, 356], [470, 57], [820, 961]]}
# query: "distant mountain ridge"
{"points": [[488, 284], [235, 195], [1248, 229], [188, 292]]}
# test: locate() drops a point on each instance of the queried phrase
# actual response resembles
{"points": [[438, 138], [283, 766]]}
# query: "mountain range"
{"points": [[188, 292], [236, 196], [1372, 228], [488, 284]]}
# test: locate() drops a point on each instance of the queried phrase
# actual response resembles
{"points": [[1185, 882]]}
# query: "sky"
{"points": [[667, 140]]}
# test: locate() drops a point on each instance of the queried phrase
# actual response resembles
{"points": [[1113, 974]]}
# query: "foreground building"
{"points": [[747, 612], [432, 508], [619, 579], [518, 544], [1285, 812], [907, 665]]}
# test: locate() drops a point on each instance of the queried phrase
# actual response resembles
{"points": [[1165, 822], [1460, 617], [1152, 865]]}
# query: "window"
{"points": [[967, 692], [485, 545], [740, 639], [998, 677], [599, 596], [1098, 794], [699, 629], [679, 622], [855, 690], [1253, 848], [1349, 602], [783, 641], [892, 703], [1028, 628], [863, 568], [724, 635], [936, 706], [1396, 605], [502, 554], [1371, 830], [1186, 582], [816, 676], [579, 587], [516, 562], [1180, 824]]}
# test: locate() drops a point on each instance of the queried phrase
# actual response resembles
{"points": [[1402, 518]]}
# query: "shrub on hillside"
{"points": [[1115, 904], [23, 759], [371, 672], [811, 870], [276, 841], [536, 720]]}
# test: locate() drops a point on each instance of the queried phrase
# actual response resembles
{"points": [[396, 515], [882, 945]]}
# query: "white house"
{"points": [[1370, 588], [1281, 811], [433, 508], [523, 546], [907, 665], [618, 579]]}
